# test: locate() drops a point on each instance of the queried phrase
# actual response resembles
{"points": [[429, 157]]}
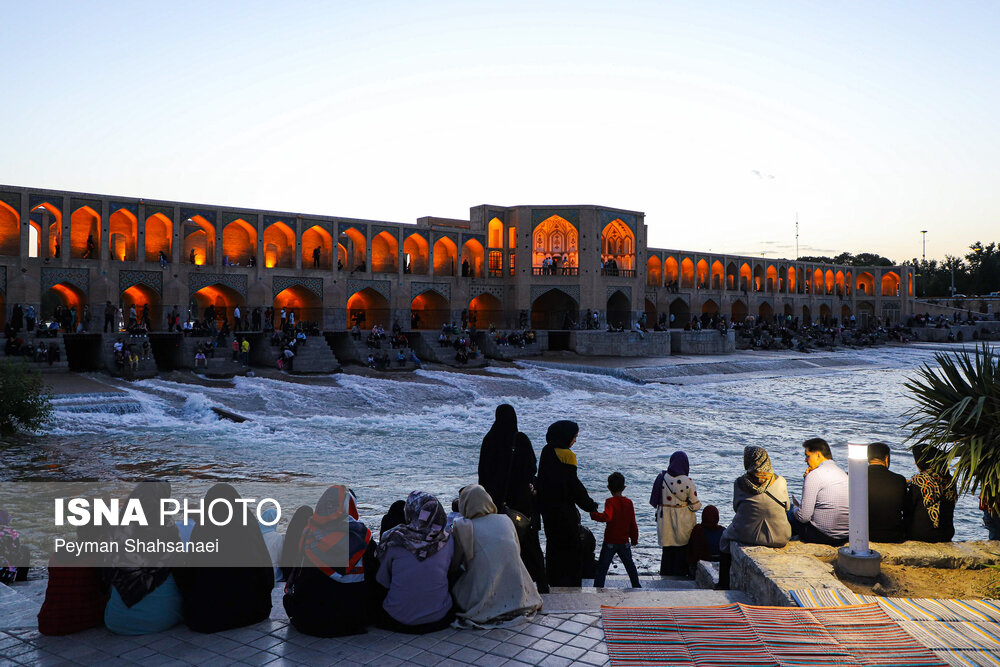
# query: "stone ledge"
{"points": [[766, 575]]}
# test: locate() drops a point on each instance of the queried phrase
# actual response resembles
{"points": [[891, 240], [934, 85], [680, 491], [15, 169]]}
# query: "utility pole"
{"points": [[923, 260], [796, 235]]}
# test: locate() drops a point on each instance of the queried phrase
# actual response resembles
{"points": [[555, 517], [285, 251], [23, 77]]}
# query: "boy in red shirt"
{"points": [[619, 514]]}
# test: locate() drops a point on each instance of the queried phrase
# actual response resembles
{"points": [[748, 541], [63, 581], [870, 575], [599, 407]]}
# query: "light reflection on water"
{"points": [[387, 437]]}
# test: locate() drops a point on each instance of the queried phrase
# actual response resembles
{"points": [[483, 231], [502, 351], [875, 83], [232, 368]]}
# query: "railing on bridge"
{"points": [[621, 273], [556, 271]]}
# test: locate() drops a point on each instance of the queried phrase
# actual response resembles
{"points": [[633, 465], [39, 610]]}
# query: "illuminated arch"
{"points": [[555, 237], [432, 309], [817, 282], [890, 284], [680, 313], [731, 274], [554, 310], [618, 243], [866, 283], [355, 249], [701, 269], [670, 273], [839, 282], [488, 311], [49, 211], [829, 282], [772, 278], [84, 224], [619, 310], [710, 307], [385, 253], [687, 272], [494, 233], [367, 308], [239, 242], [758, 278], [10, 231], [416, 250], [745, 277], [279, 247], [225, 299], [653, 276], [159, 234], [66, 295], [849, 283], [199, 241], [34, 239], [792, 280], [123, 235], [342, 255], [142, 296], [313, 238], [472, 252], [718, 275], [307, 306], [445, 256]]}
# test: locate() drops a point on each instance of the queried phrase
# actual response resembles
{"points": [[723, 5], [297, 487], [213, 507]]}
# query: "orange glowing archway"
{"points": [[66, 295], [224, 298], [313, 238], [367, 308], [731, 274], [687, 272], [718, 275], [416, 250], [670, 273], [495, 233], [472, 252], [85, 234], [745, 277], [445, 256], [159, 232], [307, 306], [123, 234], [279, 247], [792, 283], [772, 278], [429, 310], [702, 270], [618, 243], [866, 283], [385, 253], [355, 249], [653, 276], [239, 242], [10, 231], [142, 296], [555, 238], [199, 241], [488, 311], [890, 284]]}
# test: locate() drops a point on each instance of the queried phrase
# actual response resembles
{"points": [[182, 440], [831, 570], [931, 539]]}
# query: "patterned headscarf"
{"points": [[934, 486], [755, 462], [425, 532], [331, 524]]}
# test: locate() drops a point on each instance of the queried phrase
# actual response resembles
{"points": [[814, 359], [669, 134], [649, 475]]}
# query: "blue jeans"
{"points": [[608, 552]]}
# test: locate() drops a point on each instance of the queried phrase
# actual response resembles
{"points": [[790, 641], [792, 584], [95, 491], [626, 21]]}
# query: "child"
{"points": [[619, 514]]}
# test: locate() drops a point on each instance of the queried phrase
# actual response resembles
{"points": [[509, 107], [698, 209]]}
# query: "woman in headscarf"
{"points": [[329, 594], [415, 558], [560, 492], [394, 517], [495, 586], [76, 594], [704, 542], [930, 506], [144, 596], [760, 500], [676, 501], [218, 595], [291, 557], [507, 467]]}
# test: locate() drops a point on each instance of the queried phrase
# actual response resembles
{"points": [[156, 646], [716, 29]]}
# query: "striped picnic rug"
{"points": [[959, 632], [746, 635]]}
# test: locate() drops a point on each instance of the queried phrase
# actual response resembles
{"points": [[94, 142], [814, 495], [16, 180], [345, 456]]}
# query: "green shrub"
{"points": [[24, 402]]}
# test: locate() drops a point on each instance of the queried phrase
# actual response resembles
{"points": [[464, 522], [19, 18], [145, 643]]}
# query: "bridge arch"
{"points": [[555, 309]]}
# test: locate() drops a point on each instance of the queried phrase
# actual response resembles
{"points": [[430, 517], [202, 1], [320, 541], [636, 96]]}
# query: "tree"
{"points": [[24, 403], [958, 413]]}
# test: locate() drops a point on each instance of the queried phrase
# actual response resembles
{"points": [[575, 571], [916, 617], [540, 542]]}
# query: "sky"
{"points": [[721, 121]]}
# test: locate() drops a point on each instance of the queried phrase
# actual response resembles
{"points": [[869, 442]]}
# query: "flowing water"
{"points": [[386, 437]]}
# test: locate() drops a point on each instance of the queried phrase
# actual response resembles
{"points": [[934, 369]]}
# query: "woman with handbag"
{"points": [[760, 500], [507, 468], [676, 501]]}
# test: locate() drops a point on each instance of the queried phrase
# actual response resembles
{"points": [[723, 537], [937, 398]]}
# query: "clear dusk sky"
{"points": [[719, 120]]}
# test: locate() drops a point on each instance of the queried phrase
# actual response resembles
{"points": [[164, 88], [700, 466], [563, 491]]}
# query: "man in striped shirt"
{"points": [[822, 514]]}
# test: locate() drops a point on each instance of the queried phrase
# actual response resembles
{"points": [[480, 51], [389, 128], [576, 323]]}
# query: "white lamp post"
{"points": [[856, 558]]}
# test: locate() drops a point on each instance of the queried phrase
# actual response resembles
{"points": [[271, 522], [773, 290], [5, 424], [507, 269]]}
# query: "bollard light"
{"points": [[857, 558]]}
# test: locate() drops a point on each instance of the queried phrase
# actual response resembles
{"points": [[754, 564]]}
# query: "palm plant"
{"points": [[958, 413]]}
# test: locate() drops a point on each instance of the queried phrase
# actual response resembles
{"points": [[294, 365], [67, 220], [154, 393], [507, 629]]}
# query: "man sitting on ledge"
{"points": [[886, 497], [822, 516]]}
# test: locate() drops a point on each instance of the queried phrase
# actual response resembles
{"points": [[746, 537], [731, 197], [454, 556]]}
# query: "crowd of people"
{"points": [[482, 563], [789, 333]]}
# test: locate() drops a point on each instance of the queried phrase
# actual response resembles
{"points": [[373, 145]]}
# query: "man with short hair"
{"points": [[886, 497], [822, 515]]}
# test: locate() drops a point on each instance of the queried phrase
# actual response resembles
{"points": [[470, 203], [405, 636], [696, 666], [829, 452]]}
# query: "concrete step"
{"points": [[578, 600]]}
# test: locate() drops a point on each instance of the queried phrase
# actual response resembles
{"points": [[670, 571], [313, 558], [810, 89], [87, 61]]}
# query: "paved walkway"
{"points": [[567, 632]]}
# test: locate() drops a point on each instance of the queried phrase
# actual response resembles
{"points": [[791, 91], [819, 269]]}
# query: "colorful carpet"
{"points": [[959, 632], [738, 634]]}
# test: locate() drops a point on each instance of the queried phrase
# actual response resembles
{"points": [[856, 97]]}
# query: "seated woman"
{"points": [[414, 562], [217, 595], [495, 586], [760, 500], [322, 597], [144, 596], [705, 538], [76, 594], [291, 556], [931, 496]]}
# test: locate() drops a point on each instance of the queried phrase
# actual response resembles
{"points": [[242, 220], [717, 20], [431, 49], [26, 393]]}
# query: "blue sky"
{"points": [[871, 121]]}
